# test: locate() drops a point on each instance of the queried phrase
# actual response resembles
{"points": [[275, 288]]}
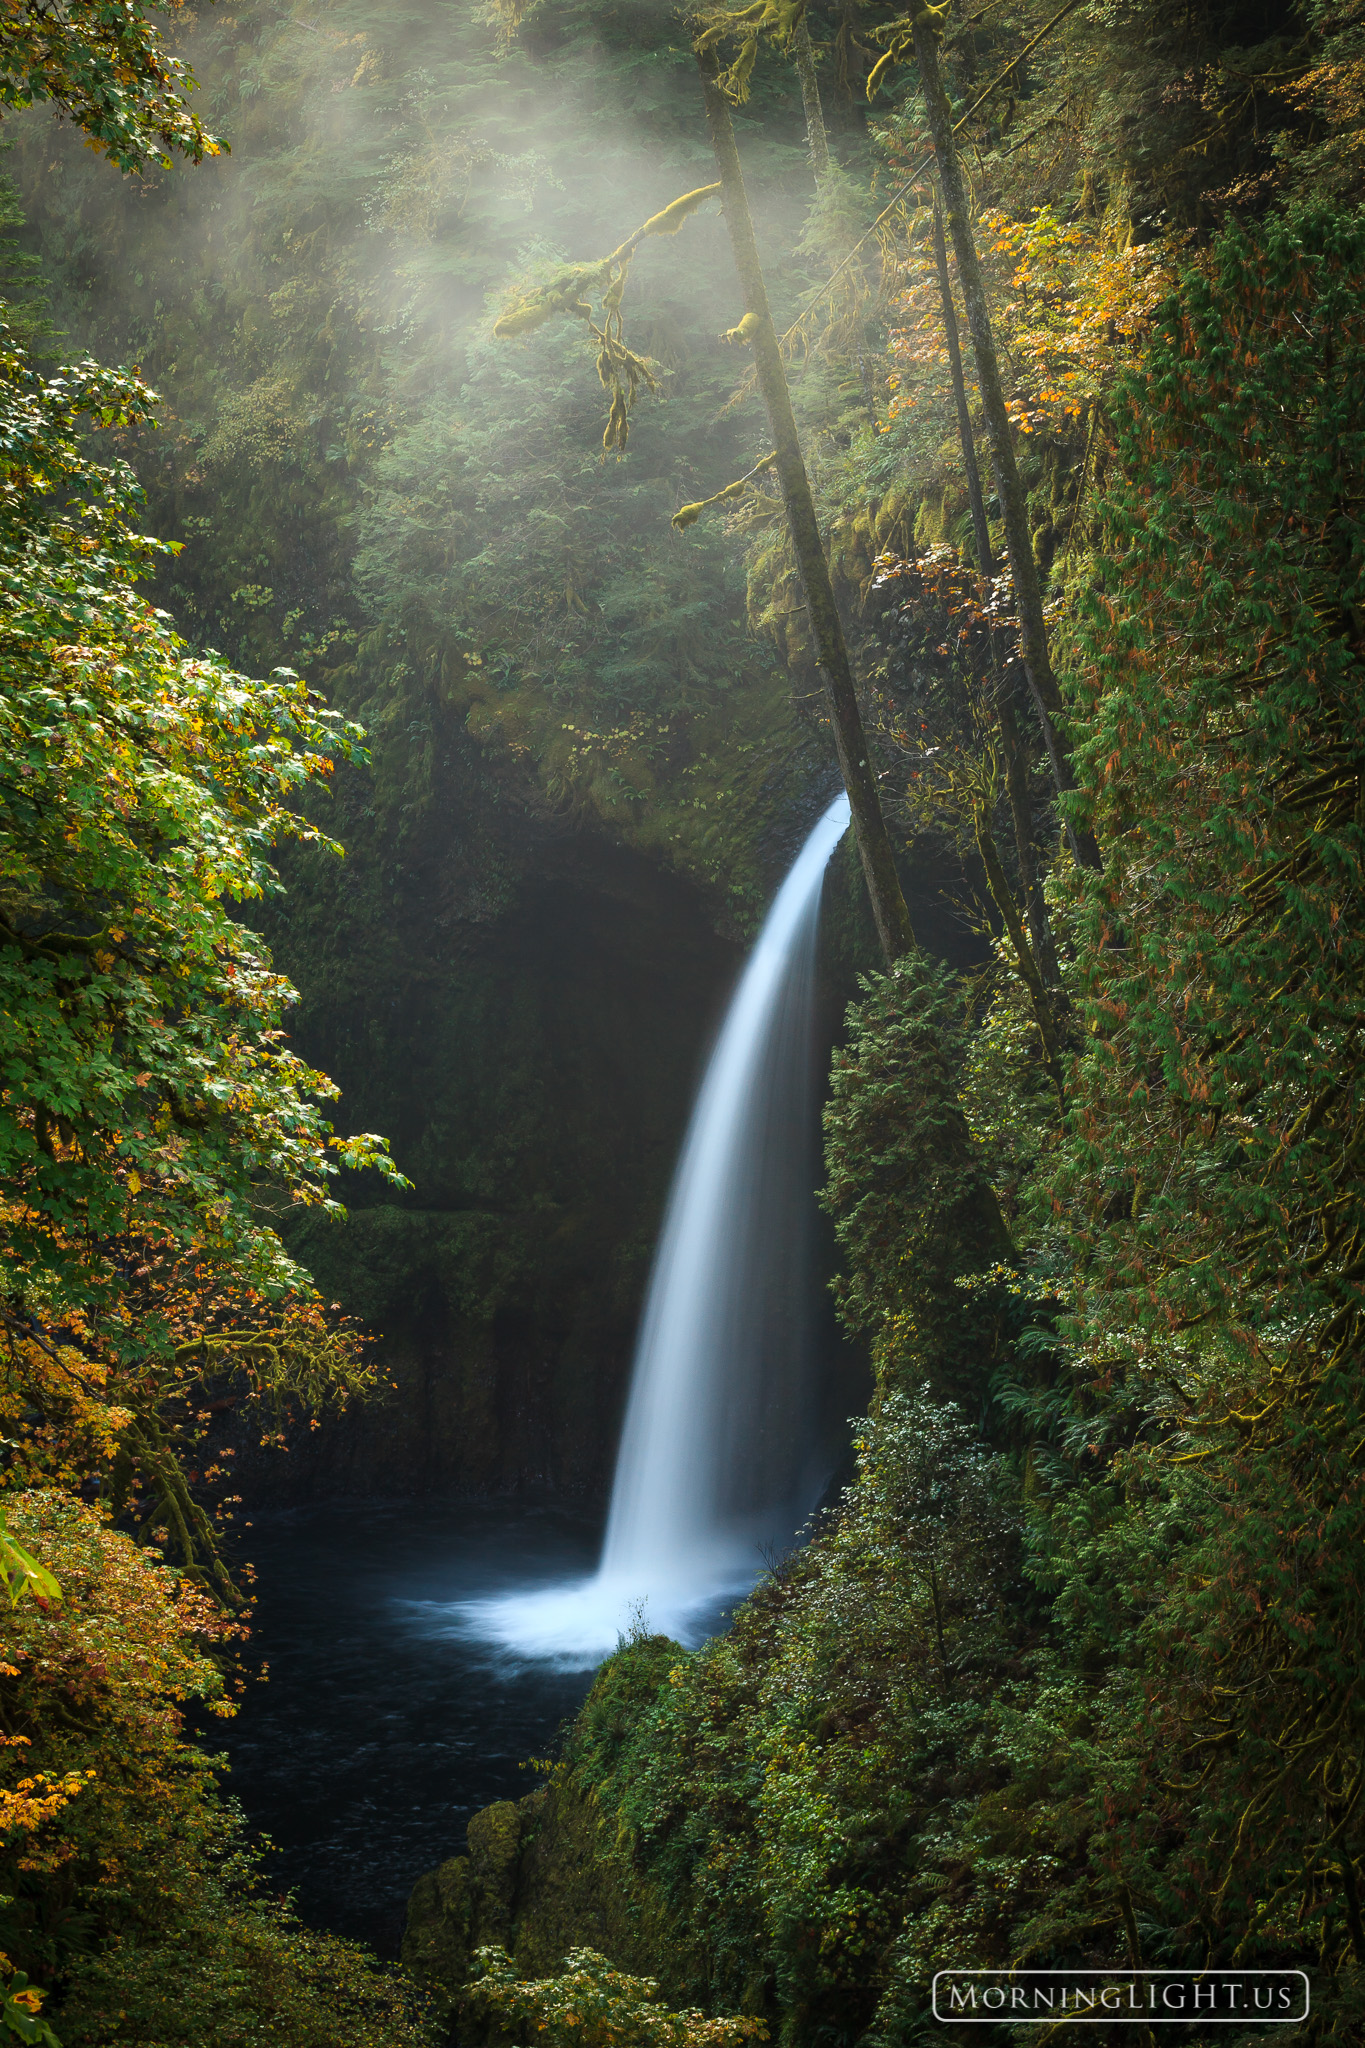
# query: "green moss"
{"points": [[578, 1886], [437, 1939]]}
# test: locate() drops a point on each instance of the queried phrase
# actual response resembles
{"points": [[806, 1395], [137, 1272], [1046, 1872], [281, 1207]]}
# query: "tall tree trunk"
{"points": [[1028, 594], [883, 884], [816, 139], [985, 558], [1011, 739], [1021, 811]]}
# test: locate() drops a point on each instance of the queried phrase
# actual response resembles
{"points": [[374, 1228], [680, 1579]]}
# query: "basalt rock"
{"points": [[533, 1063], [469, 1900]]}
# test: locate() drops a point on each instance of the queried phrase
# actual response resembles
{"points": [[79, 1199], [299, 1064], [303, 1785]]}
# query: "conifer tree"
{"points": [[803, 56]]}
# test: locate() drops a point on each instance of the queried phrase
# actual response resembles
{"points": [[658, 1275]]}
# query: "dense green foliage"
{"points": [[772, 1784], [593, 2006], [146, 1082], [1083, 1687], [106, 68], [906, 1179], [153, 1114]]}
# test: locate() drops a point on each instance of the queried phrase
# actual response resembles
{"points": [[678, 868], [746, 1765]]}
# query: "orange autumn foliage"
{"points": [[1072, 301]]}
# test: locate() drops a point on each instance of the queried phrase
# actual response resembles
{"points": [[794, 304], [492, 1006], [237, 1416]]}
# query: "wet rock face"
{"points": [[437, 1940], [496, 1834], [534, 1069], [557, 1870]]}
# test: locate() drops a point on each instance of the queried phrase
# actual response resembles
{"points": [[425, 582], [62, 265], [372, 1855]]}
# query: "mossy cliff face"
{"points": [[539, 1878], [470, 1899]]}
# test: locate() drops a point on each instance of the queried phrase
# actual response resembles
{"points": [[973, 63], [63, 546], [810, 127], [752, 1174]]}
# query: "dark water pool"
{"points": [[383, 1724]]}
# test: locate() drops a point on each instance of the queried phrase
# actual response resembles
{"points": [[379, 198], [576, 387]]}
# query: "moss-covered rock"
{"points": [[543, 1875], [495, 1835], [436, 1940], [469, 1900], [578, 1887], [556, 1870]]}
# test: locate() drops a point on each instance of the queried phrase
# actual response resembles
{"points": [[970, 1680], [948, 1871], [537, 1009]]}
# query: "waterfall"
{"points": [[718, 1456], [713, 1448]]}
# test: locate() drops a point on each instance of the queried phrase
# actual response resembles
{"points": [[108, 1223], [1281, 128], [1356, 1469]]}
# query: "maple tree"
{"points": [[153, 1124], [147, 1084], [154, 1127], [1073, 300], [152, 1116], [104, 65], [114, 1826]]}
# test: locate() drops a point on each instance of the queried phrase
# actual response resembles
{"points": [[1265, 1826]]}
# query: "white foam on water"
{"points": [[578, 1623]]}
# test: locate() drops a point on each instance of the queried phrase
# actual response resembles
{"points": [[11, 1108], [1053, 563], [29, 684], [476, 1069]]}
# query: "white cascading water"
{"points": [[718, 1454]]}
